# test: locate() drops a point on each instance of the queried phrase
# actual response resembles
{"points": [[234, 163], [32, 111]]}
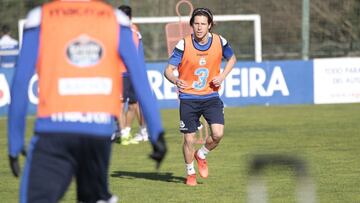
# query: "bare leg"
{"points": [[200, 139], [122, 117], [188, 151], [188, 147], [130, 114], [206, 127], [139, 115], [217, 132]]}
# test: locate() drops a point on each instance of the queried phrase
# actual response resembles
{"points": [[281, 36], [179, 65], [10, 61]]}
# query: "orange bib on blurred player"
{"points": [[74, 74], [198, 68]]}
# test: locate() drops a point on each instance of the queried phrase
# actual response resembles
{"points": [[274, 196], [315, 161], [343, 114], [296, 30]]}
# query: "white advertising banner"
{"points": [[336, 80]]}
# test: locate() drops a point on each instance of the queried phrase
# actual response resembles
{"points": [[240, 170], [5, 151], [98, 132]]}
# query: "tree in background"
{"points": [[334, 25]]}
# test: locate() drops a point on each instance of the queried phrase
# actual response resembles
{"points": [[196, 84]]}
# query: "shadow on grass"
{"points": [[166, 177]]}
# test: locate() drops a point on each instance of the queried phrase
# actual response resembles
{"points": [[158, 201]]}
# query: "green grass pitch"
{"points": [[326, 137]]}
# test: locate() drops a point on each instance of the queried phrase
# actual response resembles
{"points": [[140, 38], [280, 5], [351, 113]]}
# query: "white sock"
{"points": [[190, 168], [202, 152], [125, 132], [143, 130]]}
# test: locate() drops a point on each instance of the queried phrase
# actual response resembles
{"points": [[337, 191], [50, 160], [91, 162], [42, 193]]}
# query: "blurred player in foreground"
{"points": [[76, 48], [198, 58]]}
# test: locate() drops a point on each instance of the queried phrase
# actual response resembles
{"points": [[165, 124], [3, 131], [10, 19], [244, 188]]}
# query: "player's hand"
{"points": [[181, 84], [14, 163], [159, 150], [216, 81]]}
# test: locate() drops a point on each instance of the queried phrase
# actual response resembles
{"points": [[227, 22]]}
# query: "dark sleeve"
{"points": [[176, 57], [227, 50], [19, 98]]}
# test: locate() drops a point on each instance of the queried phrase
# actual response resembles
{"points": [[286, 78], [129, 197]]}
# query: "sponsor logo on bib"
{"points": [[84, 52]]}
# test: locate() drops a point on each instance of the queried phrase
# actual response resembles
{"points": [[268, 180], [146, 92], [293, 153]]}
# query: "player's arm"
{"points": [[169, 73], [174, 61], [228, 67], [229, 55], [19, 99], [170, 76]]}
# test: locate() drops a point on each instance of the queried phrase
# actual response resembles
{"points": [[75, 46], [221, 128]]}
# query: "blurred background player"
{"points": [[131, 105], [78, 64], [8, 48], [197, 58]]}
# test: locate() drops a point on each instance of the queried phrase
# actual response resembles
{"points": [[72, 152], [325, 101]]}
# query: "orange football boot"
{"points": [[191, 180], [202, 166]]}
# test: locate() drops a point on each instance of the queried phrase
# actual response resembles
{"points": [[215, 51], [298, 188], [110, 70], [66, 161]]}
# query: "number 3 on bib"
{"points": [[203, 74]]}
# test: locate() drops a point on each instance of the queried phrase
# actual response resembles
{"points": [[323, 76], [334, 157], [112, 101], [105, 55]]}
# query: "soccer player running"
{"points": [[198, 58], [76, 48]]}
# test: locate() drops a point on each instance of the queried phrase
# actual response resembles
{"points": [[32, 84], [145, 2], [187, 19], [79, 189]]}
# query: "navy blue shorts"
{"points": [[128, 91], [192, 109], [53, 161]]}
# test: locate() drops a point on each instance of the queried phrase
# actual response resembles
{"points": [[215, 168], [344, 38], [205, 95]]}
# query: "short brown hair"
{"points": [[202, 12]]}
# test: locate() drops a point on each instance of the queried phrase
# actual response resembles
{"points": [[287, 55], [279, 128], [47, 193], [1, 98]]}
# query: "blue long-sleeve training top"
{"points": [[26, 66]]}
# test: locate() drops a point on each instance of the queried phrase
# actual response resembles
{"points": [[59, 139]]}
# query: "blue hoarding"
{"points": [[249, 83]]}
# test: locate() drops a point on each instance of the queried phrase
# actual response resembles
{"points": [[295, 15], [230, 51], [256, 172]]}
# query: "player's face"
{"points": [[201, 27]]}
